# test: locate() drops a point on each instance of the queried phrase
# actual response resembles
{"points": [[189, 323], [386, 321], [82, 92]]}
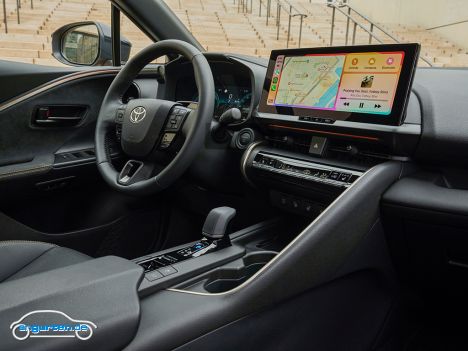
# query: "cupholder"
{"points": [[228, 278]]}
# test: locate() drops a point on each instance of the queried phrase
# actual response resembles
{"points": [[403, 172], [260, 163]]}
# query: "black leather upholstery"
{"points": [[19, 259]]}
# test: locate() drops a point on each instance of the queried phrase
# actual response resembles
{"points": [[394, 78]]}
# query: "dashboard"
{"points": [[301, 140], [301, 158]]}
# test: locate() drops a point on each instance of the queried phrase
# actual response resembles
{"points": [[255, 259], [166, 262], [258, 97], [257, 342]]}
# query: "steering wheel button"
{"points": [[119, 116], [167, 140]]}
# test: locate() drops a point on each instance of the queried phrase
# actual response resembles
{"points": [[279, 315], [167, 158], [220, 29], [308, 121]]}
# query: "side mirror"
{"points": [[86, 44]]}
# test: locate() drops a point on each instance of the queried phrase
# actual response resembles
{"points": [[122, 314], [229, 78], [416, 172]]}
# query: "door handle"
{"points": [[59, 115]]}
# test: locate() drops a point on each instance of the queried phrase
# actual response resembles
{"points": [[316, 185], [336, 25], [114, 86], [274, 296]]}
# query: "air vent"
{"points": [[358, 153], [297, 143], [361, 152]]}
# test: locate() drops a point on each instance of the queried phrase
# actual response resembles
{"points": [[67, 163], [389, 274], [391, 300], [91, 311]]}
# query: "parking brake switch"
{"points": [[215, 229]]}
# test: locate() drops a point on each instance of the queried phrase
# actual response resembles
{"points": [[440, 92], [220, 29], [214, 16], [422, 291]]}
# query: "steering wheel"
{"points": [[161, 138]]}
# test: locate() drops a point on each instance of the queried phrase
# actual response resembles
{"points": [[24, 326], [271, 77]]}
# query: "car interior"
{"points": [[204, 203]]}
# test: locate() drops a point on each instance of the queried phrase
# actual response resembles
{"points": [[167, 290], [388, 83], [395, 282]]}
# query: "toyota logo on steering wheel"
{"points": [[138, 114]]}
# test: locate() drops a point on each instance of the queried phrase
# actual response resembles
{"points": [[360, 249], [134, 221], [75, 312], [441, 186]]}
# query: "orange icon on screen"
{"points": [[371, 61], [354, 62]]}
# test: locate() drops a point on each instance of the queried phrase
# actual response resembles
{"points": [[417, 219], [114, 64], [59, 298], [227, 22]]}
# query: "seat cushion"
{"points": [[19, 259]]}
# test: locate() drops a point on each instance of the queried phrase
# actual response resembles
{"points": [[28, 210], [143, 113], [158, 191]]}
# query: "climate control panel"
{"points": [[309, 171]]}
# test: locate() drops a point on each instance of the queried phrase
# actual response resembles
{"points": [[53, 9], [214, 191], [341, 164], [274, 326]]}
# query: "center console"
{"points": [[327, 116], [220, 260]]}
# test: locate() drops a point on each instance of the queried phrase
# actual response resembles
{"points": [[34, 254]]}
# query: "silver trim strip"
{"points": [[264, 268], [244, 160]]}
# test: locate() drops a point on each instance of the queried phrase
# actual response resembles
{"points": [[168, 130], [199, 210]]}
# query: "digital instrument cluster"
{"points": [[230, 96], [232, 91]]}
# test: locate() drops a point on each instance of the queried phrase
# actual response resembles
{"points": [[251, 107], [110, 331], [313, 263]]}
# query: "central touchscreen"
{"points": [[346, 84], [362, 82]]}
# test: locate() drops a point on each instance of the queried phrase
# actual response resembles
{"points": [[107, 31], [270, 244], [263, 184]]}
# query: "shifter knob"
{"points": [[217, 221]]}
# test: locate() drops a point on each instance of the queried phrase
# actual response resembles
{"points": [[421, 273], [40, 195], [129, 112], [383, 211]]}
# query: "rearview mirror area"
{"points": [[86, 44]]}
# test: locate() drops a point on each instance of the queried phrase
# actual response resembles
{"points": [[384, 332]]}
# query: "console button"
{"points": [[245, 138], [324, 174], [168, 270], [334, 175], [344, 177], [317, 145], [154, 275], [149, 265]]}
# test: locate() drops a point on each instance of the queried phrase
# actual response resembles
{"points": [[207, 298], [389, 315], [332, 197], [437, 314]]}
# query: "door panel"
{"points": [[18, 78], [49, 185]]}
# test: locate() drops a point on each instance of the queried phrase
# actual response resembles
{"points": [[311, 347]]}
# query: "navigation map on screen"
{"points": [[354, 82]]}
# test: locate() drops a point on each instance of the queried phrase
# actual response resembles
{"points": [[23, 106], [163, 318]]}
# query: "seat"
{"points": [[20, 259]]}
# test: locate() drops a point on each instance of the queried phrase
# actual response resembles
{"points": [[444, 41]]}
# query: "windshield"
{"points": [[255, 27]]}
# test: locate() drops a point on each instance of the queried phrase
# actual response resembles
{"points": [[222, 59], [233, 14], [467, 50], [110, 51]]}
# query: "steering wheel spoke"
{"points": [[135, 171]]}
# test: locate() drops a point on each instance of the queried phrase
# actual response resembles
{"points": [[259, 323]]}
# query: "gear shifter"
{"points": [[217, 221], [215, 229], [215, 237]]}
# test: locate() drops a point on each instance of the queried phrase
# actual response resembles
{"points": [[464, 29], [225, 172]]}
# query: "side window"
{"points": [[25, 36], [135, 36]]}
